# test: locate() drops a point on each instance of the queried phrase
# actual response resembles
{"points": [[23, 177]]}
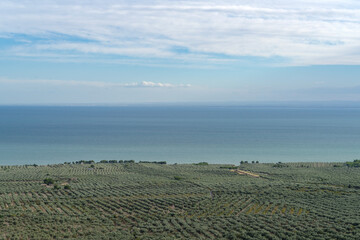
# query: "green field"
{"points": [[158, 201]]}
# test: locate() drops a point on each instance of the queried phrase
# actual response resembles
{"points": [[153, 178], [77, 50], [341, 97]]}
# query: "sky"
{"points": [[124, 52]]}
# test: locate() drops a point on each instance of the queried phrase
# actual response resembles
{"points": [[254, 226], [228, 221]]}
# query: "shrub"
{"points": [[49, 181], [228, 167], [280, 165], [129, 161], [202, 163]]}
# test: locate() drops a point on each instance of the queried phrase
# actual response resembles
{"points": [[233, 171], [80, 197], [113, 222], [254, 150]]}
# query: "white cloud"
{"points": [[97, 84], [303, 32]]}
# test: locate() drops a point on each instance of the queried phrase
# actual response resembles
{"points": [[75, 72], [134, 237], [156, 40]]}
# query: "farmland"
{"points": [[180, 201]]}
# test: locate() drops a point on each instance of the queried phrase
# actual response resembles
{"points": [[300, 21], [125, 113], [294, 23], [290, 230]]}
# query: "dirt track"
{"points": [[241, 172]]}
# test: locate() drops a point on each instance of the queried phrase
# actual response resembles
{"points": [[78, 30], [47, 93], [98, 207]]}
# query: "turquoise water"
{"points": [[175, 134]]}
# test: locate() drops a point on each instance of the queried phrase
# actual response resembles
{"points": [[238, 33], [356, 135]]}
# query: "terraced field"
{"points": [[157, 201]]}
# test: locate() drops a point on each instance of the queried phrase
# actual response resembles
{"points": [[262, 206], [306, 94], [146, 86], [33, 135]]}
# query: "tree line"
{"points": [[113, 161]]}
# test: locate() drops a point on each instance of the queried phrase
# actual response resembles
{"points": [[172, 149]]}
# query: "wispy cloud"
{"points": [[301, 31], [97, 84]]}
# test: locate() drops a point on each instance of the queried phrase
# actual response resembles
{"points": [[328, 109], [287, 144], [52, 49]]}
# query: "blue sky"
{"points": [[115, 52]]}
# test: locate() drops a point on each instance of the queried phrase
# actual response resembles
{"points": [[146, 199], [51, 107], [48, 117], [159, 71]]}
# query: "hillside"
{"points": [[159, 201]]}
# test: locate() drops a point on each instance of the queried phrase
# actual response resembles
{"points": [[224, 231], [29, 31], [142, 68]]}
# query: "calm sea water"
{"points": [[45, 135]]}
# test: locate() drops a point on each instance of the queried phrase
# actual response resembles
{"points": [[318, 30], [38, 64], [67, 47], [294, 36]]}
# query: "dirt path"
{"points": [[242, 172]]}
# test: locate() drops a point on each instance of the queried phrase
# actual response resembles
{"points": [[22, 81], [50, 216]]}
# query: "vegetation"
{"points": [[183, 201], [103, 161], [355, 163], [48, 181], [280, 165], [177, 178], [161, 162], [229, 167], [202, 163]]}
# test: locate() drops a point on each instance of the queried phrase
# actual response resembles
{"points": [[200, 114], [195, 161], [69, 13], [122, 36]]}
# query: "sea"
{"points": [[178, 134]]}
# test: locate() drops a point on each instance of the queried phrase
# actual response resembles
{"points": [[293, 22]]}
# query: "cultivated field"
{"points": [[158, 201]]}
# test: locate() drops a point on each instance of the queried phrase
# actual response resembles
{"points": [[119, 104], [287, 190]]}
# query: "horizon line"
{"points": [[327, 103]]}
